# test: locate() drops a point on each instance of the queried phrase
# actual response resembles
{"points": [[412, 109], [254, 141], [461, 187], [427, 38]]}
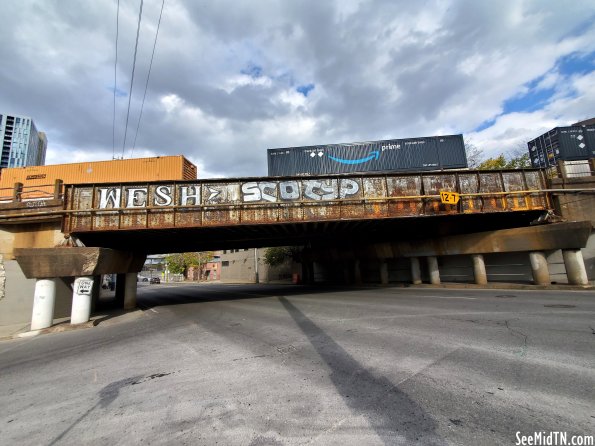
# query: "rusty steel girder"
{"points": [[249, 201]]}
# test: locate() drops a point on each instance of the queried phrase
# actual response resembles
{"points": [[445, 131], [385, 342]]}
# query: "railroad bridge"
{"points": [[110, 228]]}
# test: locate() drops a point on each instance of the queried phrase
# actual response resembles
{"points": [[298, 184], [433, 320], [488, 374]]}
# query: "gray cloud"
{"points": [[380, 69]]}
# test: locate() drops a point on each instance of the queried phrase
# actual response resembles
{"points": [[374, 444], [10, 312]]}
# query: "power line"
{"points": [[115, 83], [140, 13], [148, 76]]}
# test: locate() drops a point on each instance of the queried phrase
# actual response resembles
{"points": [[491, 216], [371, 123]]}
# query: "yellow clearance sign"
{"points": [[449, 197]]}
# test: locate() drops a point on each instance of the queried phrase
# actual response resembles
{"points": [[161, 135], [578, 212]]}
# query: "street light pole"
{"points": [[256, 280]]}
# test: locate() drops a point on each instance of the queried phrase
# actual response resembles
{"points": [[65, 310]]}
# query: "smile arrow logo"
{"points": [[373, 155]]}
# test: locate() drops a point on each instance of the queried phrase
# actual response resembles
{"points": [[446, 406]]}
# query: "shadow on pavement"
{"points": [[388, 410], [194, 293]]}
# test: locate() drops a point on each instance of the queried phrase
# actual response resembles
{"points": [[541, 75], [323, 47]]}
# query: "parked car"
{"points": [[142, 279], [155, 280]]}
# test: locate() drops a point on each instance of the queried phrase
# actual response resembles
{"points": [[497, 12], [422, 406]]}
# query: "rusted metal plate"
{"points": [[433, 185], [288, 200], [514, 182], [404, 186]]}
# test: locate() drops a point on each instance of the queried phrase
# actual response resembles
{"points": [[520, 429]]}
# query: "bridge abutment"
{"points": [[50, 265]]}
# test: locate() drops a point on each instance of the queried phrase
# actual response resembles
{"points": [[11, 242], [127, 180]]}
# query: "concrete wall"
{"points": [[16, 297], [239, 267]]}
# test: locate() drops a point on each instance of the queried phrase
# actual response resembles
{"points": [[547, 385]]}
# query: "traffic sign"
{"points": [[449, 197]]}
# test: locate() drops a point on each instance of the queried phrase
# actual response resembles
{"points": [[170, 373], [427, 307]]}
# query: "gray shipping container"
{"points": [[412, 154], [562, 143]]}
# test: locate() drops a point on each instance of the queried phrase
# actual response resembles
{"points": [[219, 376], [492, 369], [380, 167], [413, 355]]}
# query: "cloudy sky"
{"points": [[231, 78]]}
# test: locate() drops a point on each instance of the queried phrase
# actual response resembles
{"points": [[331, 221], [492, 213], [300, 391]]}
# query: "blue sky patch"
{"points": [[576, 63], [536, 99], [484, 125], [531, 101], [305, 89]]}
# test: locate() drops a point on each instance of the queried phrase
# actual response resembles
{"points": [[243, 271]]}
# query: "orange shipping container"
{"points": [[38, 181]]}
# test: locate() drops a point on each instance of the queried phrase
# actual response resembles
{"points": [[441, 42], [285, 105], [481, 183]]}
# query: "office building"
{"points": [[22, 144]]}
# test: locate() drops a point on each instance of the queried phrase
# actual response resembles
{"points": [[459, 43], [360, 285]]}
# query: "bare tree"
{"points": [[474, 155]]}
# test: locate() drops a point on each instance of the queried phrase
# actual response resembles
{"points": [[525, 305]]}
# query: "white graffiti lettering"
{"points": [[137, 197], [250, 192], [109, 195], [163, 196], [187, 195], [289, 190]]}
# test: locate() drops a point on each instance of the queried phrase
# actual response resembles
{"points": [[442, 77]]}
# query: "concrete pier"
{"points": [[539, 268], [415, 271], [575, 267], [82, 297], [433, 270], [479, 269], [44, 301], [384, 273], [130, 291]]}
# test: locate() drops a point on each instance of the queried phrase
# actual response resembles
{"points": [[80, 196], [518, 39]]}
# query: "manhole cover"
{"points": [[560, 306], [505, 296]]}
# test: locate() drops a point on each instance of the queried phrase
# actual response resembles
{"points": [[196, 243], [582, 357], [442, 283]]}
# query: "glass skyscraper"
{"points": [[22, 144]]}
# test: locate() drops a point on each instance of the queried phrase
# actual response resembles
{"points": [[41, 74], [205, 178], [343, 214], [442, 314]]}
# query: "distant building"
{"points": [[22, 144]]}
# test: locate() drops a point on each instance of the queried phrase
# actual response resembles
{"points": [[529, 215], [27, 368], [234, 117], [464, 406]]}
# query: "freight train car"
{"points": [[393, 155], [572, 143]]}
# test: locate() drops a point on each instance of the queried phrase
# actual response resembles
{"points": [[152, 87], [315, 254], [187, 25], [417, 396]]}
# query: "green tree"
{"points": [[493, 163], [515, 160], [175, 263], [277, 255], [179, 263]]}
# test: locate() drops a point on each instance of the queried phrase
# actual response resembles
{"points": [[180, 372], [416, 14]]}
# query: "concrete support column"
{"points": [[433, 270], [96, 292], [479, 269], [575, 267], [130, 291], [44, 301], [120, 289], [357, 273], [82, 296], [415, 271], [346, 275], [384, 273], [308, 272], [541, 273]]}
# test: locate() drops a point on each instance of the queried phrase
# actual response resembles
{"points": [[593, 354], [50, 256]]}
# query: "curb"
{"points": [[64, 326]]}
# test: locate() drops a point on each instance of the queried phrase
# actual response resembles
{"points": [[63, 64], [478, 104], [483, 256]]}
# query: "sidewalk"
{"points": [[104, 318]]}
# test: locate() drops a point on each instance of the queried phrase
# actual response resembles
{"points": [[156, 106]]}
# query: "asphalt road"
{"points": [[272, 365]]}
